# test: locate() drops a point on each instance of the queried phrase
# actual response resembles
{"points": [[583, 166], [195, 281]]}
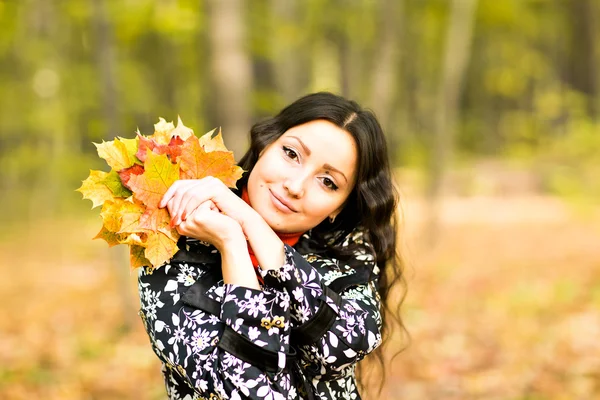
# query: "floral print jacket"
{"points": [[294, 339]]}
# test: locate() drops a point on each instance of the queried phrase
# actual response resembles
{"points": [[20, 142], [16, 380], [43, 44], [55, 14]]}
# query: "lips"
{"points": [[281, 204]]}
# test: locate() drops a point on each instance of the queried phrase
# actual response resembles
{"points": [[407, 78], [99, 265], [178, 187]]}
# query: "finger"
{"points": [[201, 191], [191, 200], [169, 193], [181, 197]]}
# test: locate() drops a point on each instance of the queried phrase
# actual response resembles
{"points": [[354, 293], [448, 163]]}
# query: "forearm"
{"points": [[236, 264], [265, 243]]}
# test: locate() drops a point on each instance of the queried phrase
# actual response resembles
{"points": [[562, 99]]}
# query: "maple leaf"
{"points": [[158, 220], [111, 238], [110, 214], [144, 144], [134, 239], [197, 163], [115, 153], [93, 189], [172, 149], [159, 174], [126, 173], [113, 182], [182, 131], [143, 169], [137, 258], [213, 143], [162, 131], [159, 248], [155, 218], [130, 214], [131, 145]]}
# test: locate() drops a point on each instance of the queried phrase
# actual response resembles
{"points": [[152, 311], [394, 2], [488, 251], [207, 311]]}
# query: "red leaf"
{"points": [[126, 173]]}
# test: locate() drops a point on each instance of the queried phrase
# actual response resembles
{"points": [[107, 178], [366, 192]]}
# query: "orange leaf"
{"points": [[197, 163], [159, 174], [154, 219]]}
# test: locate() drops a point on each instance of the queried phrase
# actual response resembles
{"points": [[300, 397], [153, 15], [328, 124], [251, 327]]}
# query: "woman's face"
{"points": [[304, 176]]}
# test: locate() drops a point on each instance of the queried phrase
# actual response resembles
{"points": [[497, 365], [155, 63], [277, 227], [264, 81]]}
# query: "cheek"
{"points": [[268, 168], [320, 205]]}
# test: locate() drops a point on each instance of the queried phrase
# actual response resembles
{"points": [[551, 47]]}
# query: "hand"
{"points": [[206, 223], [184, 196]]}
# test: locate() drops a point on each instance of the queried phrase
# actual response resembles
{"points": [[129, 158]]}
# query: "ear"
{"points": [[337, 211]]}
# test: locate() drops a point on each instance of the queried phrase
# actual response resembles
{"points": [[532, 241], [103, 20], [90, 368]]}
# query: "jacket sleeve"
{"points": [[197, 345], [331, 331]]}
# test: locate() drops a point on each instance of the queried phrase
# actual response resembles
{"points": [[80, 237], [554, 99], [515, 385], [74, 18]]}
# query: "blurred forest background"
{"points": [[492, 111]]}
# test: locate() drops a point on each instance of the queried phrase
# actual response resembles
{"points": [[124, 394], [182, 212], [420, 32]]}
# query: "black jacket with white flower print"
{"points": [[297, 338]]}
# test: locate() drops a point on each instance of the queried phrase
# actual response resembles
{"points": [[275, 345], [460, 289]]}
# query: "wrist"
{"points": [[232, 241]]}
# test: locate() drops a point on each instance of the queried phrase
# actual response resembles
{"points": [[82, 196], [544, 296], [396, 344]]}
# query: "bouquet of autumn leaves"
{"points": [[142, 169]]}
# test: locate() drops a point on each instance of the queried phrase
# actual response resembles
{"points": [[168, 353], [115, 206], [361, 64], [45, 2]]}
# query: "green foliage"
{"points": [[75, 72]]}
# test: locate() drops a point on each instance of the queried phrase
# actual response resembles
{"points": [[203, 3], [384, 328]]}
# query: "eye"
{"points": [[329, 184], [291, 154]]}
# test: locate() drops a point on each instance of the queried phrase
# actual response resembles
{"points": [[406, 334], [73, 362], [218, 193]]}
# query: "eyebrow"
{"points": [[326, 166]]}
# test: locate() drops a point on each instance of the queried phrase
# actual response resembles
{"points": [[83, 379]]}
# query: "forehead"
{"points": [[328, 144]]}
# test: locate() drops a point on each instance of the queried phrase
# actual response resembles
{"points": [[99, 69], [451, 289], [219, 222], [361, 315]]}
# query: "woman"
{"points": [[278, 293]]}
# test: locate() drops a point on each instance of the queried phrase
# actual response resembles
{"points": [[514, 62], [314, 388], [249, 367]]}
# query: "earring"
{"points": [[332, 219]]}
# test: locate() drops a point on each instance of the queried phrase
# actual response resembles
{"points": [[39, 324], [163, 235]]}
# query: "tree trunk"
{"points": [[385, 91], [456, 57], [231, 69], [105, 61], [290, 60], [583, 57]]}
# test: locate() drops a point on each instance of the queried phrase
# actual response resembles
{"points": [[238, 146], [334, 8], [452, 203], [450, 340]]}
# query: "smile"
{"points": [[281, 204]]}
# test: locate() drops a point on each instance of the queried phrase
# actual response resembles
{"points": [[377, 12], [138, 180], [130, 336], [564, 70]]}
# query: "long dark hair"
{"points": [[371, 206]]}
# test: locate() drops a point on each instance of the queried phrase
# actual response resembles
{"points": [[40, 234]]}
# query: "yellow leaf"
{"points": [[132, 239], [163, 131], [130, 217], [137, 258], [110, 214], [159, 248], [109, 237], [132, 146], [93, 190], [210, 143], [182, 131], [115, 153], [170, 232]]}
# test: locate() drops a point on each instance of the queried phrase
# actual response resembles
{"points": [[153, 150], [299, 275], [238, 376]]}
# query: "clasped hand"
{"points": [[207, 210]]}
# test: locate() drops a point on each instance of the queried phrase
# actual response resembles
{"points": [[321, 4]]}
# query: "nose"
{"points": [[295, 185]]}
